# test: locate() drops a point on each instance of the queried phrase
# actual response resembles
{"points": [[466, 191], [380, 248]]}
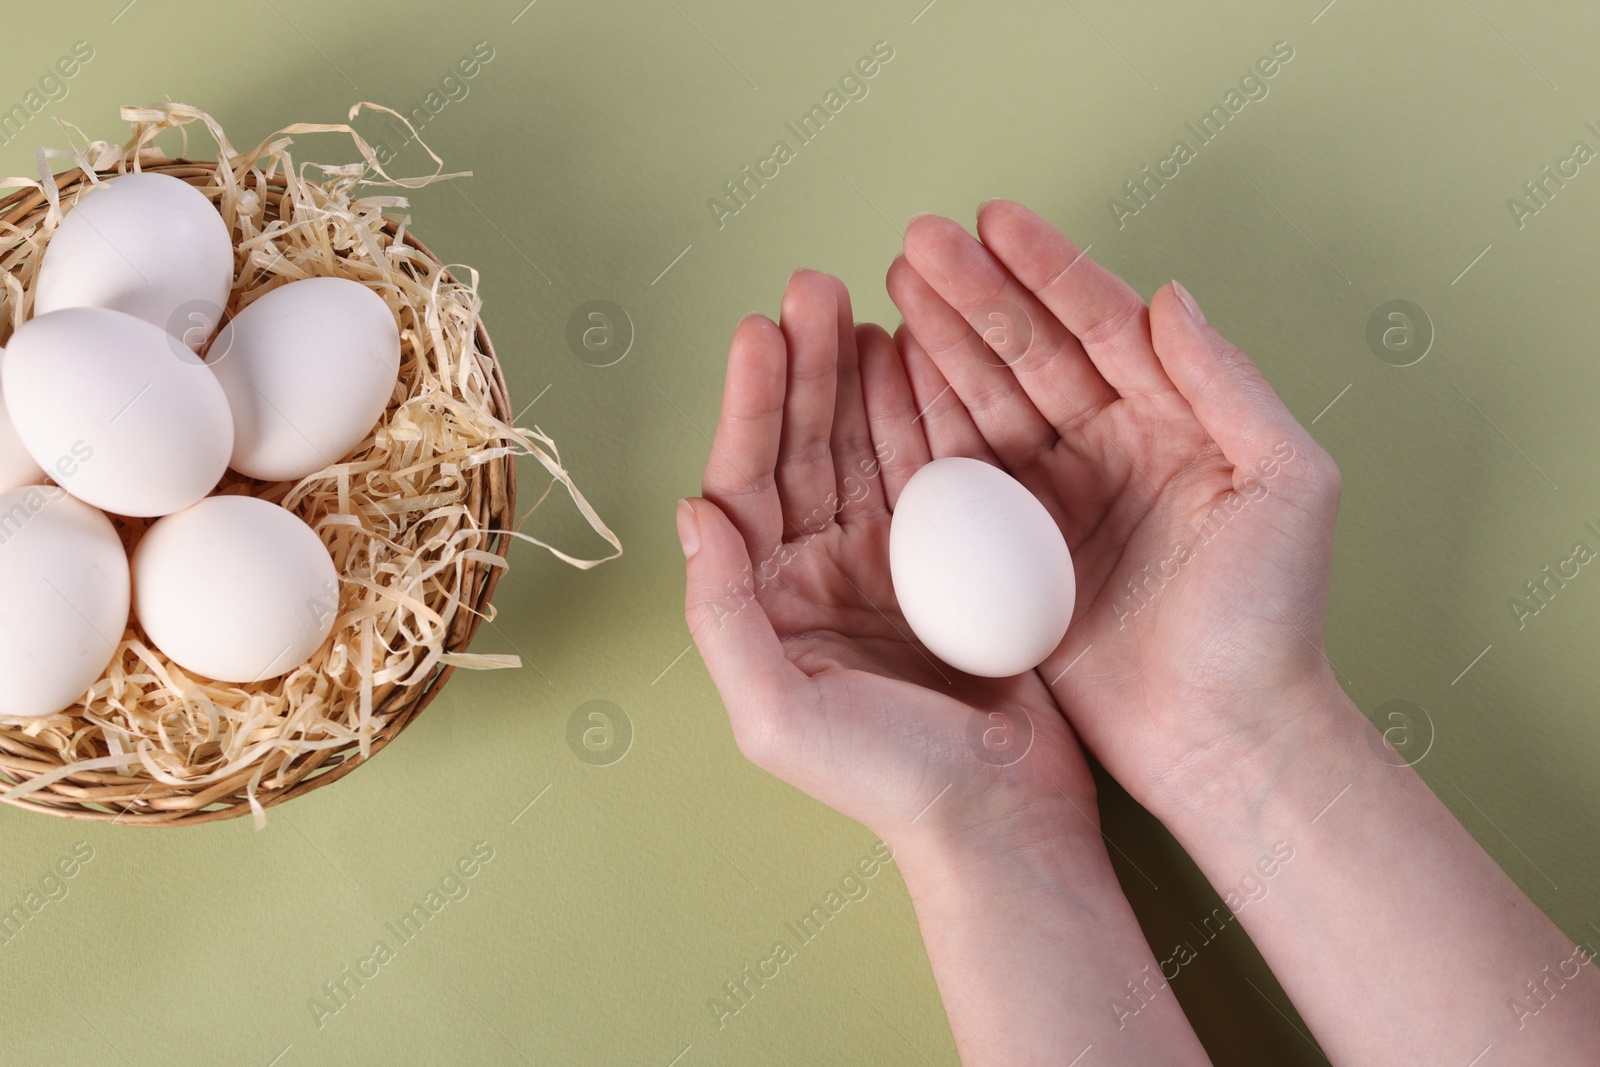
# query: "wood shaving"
{"points": [[401, 516]]}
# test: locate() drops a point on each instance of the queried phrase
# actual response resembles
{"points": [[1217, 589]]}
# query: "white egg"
{"points": [[235, 588], [17, 467], [148, 245], [980, 569], [309, 369], [116, 416], [63, 599]]}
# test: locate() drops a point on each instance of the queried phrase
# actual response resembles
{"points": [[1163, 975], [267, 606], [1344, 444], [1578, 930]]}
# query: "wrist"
{"points": [[1045, 844], [1035, 947], [1287, 757]]}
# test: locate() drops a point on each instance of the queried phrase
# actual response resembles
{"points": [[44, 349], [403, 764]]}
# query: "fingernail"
{"points": [[986, 203], [1188, 303], [688, 529], [797, 271], [915, 217]]}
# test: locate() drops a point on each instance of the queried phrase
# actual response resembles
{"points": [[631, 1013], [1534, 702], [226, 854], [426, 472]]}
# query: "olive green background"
{"points": [[1377, 168]]}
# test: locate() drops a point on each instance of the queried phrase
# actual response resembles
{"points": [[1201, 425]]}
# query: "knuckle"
{"points": [[852, 443], [1320, 474], [947, 348], [1240, 366], [768, 732], [1112, 321], [728, 492], [808, 371], [991, 399], [706, 613], [990, 286], [1327, 474], [762, 735], [810, 452]]}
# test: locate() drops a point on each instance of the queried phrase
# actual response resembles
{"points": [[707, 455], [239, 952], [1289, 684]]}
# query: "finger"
{"points": [[1045, 358], [805, 453], [1103, 312], [739, 474], [741, 651], [855, 469], [945, 421], [1000, 408], [899, 444], [1229, 395]]}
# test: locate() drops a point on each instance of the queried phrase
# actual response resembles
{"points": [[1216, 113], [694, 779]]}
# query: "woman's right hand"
{"points": [[1199, 512]]}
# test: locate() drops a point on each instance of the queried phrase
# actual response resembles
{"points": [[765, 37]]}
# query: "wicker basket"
{"points": [[143, 801]]}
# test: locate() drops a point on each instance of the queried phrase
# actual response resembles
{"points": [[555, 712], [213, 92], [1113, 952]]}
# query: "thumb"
{"points": [[730, 627]]}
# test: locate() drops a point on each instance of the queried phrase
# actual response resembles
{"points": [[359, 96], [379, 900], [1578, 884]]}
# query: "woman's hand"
{"points": [[1199, 512], [790, 603], [978, 785], [1200, 516]]}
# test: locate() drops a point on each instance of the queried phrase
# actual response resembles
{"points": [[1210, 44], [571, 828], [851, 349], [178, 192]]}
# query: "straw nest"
{"points": [[418, 520]]}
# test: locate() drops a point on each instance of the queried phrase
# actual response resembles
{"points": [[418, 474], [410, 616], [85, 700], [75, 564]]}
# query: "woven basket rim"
{"points": [[403, 704]]}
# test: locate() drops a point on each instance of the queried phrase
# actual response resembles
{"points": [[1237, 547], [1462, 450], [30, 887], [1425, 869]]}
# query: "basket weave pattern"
{"points": [[280, 775]]}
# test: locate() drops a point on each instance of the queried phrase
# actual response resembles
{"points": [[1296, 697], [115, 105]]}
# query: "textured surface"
{"points": [[1378, 167]]}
